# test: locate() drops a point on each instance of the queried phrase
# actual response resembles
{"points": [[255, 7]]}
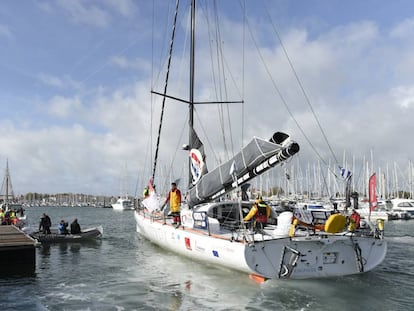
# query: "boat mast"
{"points": [[7, 180], [191, 96]]}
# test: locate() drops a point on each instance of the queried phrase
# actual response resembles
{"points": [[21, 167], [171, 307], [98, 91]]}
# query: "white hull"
{"points": [[299, 257], [403, 207], [123, 204], [119, 207], [375, 215]]}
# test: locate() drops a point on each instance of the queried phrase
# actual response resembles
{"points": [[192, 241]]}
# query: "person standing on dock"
{"points": [[174, 197], [45, 224]]}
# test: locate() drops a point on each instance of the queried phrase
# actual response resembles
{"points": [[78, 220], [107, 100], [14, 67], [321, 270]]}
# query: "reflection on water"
{"points": [[44, 250], [12, 272]]}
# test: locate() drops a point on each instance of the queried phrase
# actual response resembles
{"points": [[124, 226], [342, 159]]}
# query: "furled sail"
{"points": [[254, 159]]}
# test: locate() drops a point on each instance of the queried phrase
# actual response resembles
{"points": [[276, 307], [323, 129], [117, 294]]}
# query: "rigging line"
{"points": [[140, 181], [165, 87], [89, 54], [213, 72], [161, 64], [102, 66], [223, 91], [281, 96], [233, 79], [243, 69], [217, 90], [170, 169], [301, 86], [9, 180], [219, 75], [279, 92], [152, 79], [222, 62], [200, 123], [164, 48]]}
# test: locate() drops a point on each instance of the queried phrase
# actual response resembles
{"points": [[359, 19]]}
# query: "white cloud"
{"points": [[63, 107], [403, 29], [44, 6], [125, 63], [124, 7], [57, 157], [51, 80], [64, 82], [5, 31], [80, 12], [404, 96]]}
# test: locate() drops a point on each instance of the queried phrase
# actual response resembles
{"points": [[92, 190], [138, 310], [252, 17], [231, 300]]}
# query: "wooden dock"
{"points": [[17, 251]]}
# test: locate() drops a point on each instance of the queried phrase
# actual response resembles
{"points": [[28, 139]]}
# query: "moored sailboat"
{"points": [[9, 202], [213, 230], [12, 211]]}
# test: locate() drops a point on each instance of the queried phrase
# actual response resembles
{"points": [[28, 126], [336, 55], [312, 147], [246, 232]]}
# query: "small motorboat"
{"points": [[55, 237]]}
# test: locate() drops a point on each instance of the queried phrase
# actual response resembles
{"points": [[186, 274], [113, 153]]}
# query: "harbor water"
{"points": [[123, 271]]}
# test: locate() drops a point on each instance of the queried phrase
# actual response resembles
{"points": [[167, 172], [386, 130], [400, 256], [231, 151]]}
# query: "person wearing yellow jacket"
{"points": [[1, 216], [260, 211], [174, 197]]}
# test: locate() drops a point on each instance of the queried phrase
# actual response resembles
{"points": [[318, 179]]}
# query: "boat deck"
{"points": [[233, 232]]}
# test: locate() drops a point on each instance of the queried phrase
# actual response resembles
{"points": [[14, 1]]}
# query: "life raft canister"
{"points": [[293, 227], [335, 223], [380, 223]]}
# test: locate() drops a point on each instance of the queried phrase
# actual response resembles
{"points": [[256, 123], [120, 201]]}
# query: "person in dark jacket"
{"points": [[45, 224], [75, 227]]}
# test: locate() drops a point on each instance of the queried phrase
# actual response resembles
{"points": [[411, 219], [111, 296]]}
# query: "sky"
{"points": [[77, 114]]}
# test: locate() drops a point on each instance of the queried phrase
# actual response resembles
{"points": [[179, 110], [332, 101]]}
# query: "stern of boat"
{"points": [[315, 256]]}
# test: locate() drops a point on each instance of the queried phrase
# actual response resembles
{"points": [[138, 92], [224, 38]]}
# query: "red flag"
{"points": [[372, 192]]}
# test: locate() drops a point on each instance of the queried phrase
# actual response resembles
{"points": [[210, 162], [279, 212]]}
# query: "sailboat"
{"points": [[9, 201], [12, 210], [212, 229], [123, 202]]}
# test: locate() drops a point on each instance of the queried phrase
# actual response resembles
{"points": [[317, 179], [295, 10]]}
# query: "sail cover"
{"points": [[254, 159]]}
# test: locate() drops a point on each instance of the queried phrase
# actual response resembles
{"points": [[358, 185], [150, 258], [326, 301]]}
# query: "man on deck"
{"points": [[174, 197]]}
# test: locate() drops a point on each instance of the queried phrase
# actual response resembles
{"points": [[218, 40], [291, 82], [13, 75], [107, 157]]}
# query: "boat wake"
{"points": [[406, 239]]}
